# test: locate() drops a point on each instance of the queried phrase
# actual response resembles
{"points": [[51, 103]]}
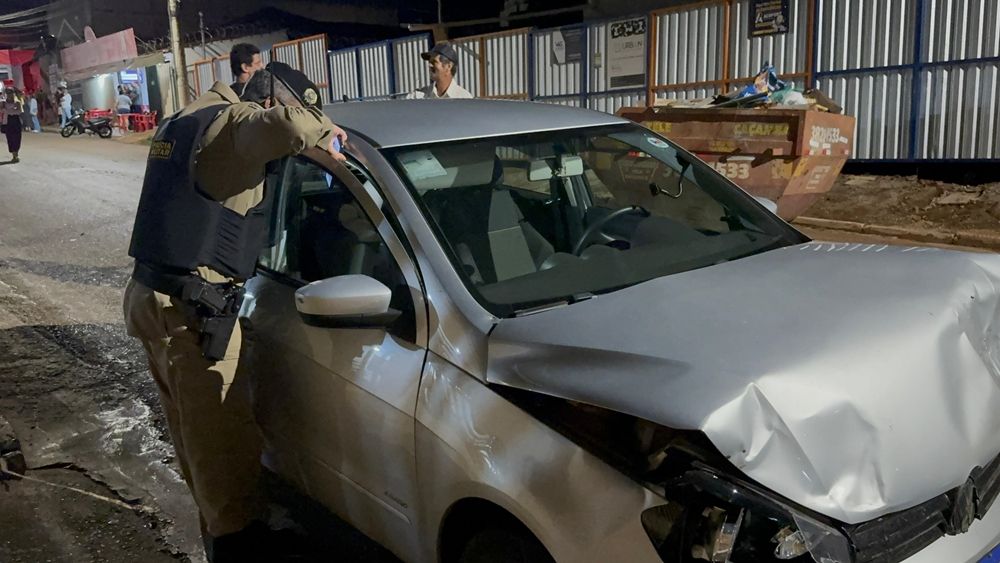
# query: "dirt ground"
{"points": [[907, 201]]}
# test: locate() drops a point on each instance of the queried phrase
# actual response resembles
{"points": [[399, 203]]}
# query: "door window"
{"points": [[321, 231]]}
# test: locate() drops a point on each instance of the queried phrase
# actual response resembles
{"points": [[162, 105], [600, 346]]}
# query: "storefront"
{"points": [[99, 67]]}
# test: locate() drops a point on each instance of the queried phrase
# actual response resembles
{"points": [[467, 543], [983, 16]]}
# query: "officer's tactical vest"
{"points": [[177, 225]]}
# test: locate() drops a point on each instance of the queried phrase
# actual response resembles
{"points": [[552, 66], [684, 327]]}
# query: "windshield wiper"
{"points": [[554, 304]]}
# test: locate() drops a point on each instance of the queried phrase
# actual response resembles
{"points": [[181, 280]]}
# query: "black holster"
{"points": [[212, 308]]}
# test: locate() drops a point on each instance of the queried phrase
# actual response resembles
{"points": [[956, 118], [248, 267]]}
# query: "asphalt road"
{"points": [[72, 384], [75, 387]]}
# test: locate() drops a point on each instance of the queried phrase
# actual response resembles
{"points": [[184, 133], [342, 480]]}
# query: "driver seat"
{"points": [[516, 247]]}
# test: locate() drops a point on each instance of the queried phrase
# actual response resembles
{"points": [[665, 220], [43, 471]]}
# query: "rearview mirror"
{"points": [[352, 301], [539, 170], [570, 166]]}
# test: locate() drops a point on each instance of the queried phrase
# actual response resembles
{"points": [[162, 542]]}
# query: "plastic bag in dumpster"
{"points": [[789, 97], [766, 81]]}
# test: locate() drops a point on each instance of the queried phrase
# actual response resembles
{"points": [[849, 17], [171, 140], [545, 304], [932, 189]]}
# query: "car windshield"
{"points": [[555, 217]]}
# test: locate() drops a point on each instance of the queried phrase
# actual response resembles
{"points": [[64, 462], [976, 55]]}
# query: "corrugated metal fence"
{"points": [[378, 71], [922, 76]]}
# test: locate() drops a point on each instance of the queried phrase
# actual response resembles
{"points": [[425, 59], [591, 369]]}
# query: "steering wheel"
{"points": [[598, 224]]}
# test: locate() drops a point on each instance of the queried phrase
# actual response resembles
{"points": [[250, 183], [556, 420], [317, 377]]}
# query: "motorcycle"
{"points": [[79, 125]]}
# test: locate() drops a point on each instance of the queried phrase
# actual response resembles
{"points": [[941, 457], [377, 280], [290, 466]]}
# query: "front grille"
{"points": [[894, 537], [899, 535]]}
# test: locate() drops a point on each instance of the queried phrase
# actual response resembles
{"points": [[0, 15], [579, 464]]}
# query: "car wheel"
{"points": [[67, 131], [504, 545], [104, 132]]}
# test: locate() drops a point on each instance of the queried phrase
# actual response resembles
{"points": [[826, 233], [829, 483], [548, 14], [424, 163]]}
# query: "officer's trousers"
{"points": [[208, 410]]}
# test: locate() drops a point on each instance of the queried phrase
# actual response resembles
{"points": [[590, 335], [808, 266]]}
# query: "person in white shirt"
{"points": [[65, 108], [443, 61], [36, 127]]}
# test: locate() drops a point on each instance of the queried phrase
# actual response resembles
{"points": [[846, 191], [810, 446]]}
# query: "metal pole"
{"points": [[201, 28], [180, 66]]}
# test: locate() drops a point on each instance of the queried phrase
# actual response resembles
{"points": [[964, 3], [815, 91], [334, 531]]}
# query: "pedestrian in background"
{"points": [[12, 109], [244, 60], [65, 107], [123, 101], [442, 63], [133, 95], [36, 127]]}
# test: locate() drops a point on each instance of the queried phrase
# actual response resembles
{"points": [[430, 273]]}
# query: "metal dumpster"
{"points": [[789, 156]]}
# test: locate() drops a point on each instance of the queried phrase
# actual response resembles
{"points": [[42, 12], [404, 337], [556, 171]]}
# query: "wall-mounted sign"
{"points": [[627, 53], [768, 17], [116, 47], [567, 45]]}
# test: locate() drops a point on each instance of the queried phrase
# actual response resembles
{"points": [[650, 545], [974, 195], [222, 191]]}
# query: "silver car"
{"points": [[508, 331]]}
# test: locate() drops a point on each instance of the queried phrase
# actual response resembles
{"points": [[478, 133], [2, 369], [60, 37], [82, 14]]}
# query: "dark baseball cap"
{"points": [[442, 50], [304, 89]]}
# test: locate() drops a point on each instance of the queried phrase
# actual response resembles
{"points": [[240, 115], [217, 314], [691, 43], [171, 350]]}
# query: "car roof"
{"points": [[413, 122]]}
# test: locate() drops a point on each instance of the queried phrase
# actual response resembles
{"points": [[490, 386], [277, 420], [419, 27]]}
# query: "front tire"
{"points": [[104, 132], [67, 130], [504, 545]]}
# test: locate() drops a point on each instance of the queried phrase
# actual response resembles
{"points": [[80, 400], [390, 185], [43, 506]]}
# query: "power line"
{"points": [[23, 13]]}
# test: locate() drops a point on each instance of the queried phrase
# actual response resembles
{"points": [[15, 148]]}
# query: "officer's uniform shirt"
{"points": [[429, 92], [242, 139]]}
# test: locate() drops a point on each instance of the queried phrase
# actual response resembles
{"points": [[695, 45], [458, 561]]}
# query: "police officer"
{"points": [[202, 220]]}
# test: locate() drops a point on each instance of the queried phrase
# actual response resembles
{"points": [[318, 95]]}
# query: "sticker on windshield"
{"points": [[658, 143], [421, 165]]}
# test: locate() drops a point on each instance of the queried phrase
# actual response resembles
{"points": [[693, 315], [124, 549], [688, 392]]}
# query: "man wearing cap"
{"points": [[443, 61], [201, 222]]}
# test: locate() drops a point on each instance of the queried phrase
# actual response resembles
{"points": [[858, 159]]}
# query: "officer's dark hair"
{"points": [[241, 54], [261, 87]]}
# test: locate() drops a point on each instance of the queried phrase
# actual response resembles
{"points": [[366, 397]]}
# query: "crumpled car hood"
{"points": [[856, 380]]}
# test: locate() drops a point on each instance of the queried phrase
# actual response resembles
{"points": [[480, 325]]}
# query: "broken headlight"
{"points": [[710, 518]]}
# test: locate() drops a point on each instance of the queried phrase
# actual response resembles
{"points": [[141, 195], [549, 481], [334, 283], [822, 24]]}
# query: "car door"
{"points": [[336, 405]]}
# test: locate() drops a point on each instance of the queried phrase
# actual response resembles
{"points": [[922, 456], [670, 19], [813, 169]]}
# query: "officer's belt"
{"points": [[182, 284]]}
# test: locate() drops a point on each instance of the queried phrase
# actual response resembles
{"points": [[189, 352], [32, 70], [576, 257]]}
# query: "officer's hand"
{"points": [[339, 137]]}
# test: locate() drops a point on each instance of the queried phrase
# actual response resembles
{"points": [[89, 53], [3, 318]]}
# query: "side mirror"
{"points": [[352, 301], [768, 204]]}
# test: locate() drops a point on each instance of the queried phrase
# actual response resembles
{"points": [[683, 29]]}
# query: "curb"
{"points": [[962, 238]]}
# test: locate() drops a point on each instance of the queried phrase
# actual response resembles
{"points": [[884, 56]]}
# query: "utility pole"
{"points": [[201, 28], [180, 66]]}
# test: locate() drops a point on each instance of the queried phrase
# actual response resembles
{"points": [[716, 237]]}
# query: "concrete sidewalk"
{"points": [[963, 239]]}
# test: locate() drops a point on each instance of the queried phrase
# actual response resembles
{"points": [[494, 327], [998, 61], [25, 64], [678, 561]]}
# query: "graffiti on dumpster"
{"points": [[661, 127], [816, 177], [732, 170], [721, 146], [788, 170], [757, 129], [822, 139]]}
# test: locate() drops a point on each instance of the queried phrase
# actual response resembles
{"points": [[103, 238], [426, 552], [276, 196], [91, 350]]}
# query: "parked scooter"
{"points": [[79, 125]]}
